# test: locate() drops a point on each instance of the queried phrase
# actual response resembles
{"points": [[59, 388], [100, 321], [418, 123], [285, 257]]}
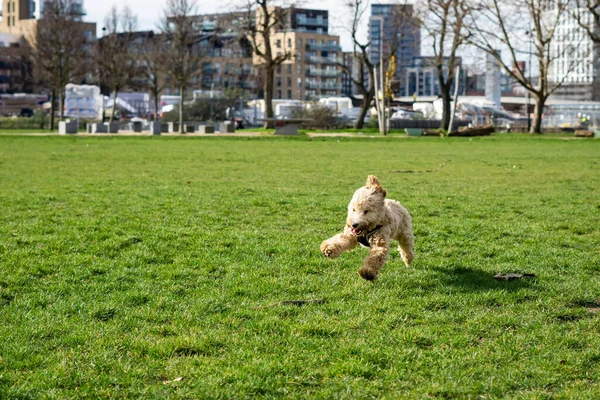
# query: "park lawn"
{"points": [[149, 267], [364, 131]]}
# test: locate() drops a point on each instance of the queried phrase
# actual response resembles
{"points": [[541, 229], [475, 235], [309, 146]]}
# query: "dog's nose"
{"points": [[355, 225]]}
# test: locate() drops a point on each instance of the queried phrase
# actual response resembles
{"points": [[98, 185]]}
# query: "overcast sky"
{"points": [[149, 12]]}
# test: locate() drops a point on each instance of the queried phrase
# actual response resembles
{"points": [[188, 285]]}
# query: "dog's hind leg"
{"points": [[406, 242], [334, 246]]}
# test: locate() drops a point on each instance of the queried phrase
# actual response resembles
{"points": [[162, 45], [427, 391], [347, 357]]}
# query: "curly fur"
{"points": [[375, 220]]}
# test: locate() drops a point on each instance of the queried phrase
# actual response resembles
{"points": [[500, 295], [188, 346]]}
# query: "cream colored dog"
{"points": [[373, 221]]}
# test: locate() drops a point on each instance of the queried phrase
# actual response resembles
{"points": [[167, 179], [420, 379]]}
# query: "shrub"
{"points": [[321, 117]]}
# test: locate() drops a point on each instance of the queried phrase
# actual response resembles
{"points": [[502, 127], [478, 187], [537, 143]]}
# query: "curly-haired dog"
{"points": [[373, 221]]}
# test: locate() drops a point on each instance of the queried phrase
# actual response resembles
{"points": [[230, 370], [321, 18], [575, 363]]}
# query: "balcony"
{"points": [[247, 85], [77, 9], [233, 71], [311, 21], [323, 47], [210, 70], [323, 86], [323, 72], [321, 60]]}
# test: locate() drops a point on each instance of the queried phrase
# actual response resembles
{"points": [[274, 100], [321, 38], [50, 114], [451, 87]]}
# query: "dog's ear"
{"points": [[372, 181], [374, 184]]}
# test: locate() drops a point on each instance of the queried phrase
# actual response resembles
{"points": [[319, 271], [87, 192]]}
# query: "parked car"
{"points": [[407, 114]]}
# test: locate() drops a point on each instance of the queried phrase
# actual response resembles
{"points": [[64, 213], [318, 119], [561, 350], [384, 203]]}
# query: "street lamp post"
{"points": [[529, 33]]}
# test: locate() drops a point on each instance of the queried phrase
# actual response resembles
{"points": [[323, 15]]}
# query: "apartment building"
{"points": [[227, 64], [19, 18], [16, 69], [14, 12], [227, 56], [313, 69]]}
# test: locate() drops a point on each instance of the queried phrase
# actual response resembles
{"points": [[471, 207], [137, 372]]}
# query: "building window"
{"points": [[289, 42], [289, 94], [278, 43], [279, 84], [289, 69]]}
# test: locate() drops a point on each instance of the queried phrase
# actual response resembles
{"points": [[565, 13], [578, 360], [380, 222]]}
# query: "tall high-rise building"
{"points": [[420, 78], [492, 80], [393, 28]]}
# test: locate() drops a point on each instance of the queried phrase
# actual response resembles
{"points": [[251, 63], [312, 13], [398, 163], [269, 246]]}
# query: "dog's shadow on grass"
{"points": [[477, 280]]}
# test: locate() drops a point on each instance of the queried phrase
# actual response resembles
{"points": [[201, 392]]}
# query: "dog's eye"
{"points": [[366, 211], [353, 210]]}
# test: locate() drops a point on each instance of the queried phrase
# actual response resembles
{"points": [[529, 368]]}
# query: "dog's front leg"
{"points": [[378, 255], [341, 242]]}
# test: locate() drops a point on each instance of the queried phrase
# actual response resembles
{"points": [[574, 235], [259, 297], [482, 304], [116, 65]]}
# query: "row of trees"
{"points": [[123, 58], [508, 30]]}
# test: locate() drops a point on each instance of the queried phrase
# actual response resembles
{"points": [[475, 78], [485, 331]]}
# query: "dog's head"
{"points": [[366, 209]]}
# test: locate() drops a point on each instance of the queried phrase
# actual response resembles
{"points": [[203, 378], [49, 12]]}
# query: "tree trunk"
{"points": [[536, 126], [181, 97], [155, 106], [269, 78], [114, 107], [446, 109], [364, 108], [52, 108], [61, 104]]}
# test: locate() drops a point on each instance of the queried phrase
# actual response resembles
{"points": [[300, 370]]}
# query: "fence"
{"points": [[421, 123]]}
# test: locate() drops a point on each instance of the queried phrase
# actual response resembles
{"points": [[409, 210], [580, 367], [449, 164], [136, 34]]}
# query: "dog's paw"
{"points": [[367, 274], [329, 250]]}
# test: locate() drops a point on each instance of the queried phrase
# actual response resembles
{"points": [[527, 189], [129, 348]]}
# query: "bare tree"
{"points": [[264, 21], [402, 24], [515, 26], [444, 22], [587, 15], [60, 49], [360, 53], [152, 50], [181, 46], [115, 59]]}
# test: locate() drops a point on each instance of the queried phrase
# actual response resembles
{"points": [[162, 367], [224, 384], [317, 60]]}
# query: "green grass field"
{"points": [[149, 268]]}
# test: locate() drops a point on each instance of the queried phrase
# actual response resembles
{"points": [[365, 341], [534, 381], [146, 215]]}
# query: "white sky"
{"points": [[149, 12]]}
